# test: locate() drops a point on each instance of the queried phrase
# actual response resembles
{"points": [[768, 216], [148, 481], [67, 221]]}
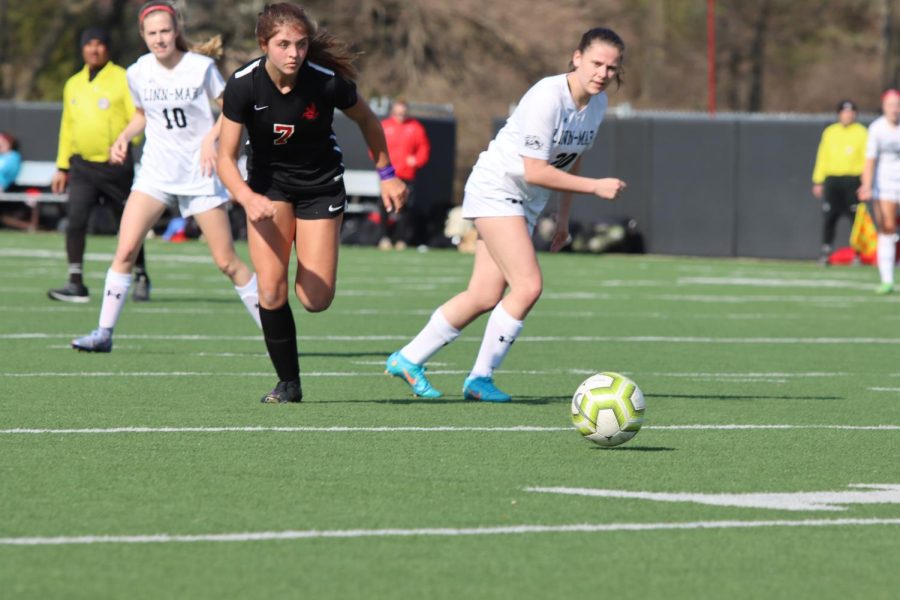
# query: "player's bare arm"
{"points": [[257, 207], [119, 150], [865, 189], [542, 173], [208, 154], [393, 190], [561, 237]]}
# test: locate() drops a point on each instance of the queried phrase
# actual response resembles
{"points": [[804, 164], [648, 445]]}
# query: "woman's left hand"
{"points": [[208, 157], [561, 237], [394, 194]]}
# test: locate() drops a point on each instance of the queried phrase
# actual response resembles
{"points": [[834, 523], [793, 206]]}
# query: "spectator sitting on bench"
{"points": [[10, 160], [10, 164]]}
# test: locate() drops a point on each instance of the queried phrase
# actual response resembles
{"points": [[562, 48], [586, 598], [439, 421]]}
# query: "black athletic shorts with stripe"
{"points": [[321, 202]]}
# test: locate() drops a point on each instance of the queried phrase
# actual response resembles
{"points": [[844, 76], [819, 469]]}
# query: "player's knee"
{"points": [[316, 302], [228, 264], [272, 297], [76, 230], [78, 221], [126, 256], [529, 291]]}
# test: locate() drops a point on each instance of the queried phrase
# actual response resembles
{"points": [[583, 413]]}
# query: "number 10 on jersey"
{"points": [[177, 115]]}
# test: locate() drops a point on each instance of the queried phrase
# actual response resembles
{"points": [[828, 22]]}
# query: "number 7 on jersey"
{"points": [[284, 132]]}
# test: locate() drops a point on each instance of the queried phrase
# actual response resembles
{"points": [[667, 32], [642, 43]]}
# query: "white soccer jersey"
{"points": [[177, 105], [883, 144], [545, 125]]}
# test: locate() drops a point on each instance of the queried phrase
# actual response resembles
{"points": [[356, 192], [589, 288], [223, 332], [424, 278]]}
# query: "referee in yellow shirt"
{"points": [[836, 176], [97, 106]]}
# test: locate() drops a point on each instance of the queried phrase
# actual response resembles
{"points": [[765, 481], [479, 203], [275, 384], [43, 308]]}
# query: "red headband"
{"points": [[889, 93], [154, 8]]}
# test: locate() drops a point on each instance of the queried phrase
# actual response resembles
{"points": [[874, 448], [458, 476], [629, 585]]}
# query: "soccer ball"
{"points": [[608, 409]]}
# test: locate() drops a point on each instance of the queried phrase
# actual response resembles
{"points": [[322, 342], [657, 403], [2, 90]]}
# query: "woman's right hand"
{"points": [[864, 193], [59, 181], [258, 207], [118, 151], [608, 188]]}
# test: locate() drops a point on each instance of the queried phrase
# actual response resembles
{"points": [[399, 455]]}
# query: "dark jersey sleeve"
{"points": [[344, 93], [236, 99]]}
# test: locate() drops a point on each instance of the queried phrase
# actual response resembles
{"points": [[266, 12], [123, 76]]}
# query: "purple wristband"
{"points": [[385, 173]]}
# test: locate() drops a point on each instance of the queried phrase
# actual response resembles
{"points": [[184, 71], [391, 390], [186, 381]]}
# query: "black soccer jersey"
{"points": [[292, 144]]}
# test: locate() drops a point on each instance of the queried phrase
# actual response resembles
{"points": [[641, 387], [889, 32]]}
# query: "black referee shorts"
{"points": [[94, 180], [89, 182]]}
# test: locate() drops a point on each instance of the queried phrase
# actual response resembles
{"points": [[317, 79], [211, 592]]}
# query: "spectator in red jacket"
{"points": [[409, 149]]}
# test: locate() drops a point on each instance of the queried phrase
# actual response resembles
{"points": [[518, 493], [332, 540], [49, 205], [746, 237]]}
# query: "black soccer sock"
{"points": [[140, 266], [75, 253], [280, 334], [75, 274]]}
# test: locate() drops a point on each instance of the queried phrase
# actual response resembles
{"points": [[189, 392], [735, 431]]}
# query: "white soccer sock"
{"points": [[114, 294], [436, 334], [887, 249], [499, 335], [250, 297]]}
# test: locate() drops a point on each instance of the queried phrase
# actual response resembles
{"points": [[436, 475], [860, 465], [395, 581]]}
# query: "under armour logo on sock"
{"points": [[118, 295], [507, 340]]}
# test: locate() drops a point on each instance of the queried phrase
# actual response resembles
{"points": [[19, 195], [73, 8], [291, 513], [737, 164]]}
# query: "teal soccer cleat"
{"points": [[483, 388], [412, 374], [99, 340]]}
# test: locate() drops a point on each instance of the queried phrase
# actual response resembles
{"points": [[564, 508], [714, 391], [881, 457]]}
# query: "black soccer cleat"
{"points": [[71, 292], [285, 392], [142, 286]]}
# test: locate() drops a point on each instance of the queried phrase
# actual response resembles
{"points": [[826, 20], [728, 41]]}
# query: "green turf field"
{"points": [[764, 381]]}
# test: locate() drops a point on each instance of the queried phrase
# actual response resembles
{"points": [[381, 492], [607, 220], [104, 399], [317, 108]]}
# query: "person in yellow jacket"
{"points": [[839, 165], [97, 106]]}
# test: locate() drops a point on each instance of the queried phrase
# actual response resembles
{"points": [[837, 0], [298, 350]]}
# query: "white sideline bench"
{"points": [[362, 184], [36, 174]]}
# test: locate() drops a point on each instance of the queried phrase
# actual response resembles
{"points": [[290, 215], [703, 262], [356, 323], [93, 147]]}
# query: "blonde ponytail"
{"points": [[211, 47]]}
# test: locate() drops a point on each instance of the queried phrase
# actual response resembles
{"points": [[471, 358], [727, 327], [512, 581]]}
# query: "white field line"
{"points": [[372, 373], [812, 374], [421, 312], [717, 377], [100, 256], [226, 291], [739, 380], [807, 301], [883, 389], [414, 429], [640, 339], [775, 282], [202, 257], [812, 301], [262, 536], [147, 310]]}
